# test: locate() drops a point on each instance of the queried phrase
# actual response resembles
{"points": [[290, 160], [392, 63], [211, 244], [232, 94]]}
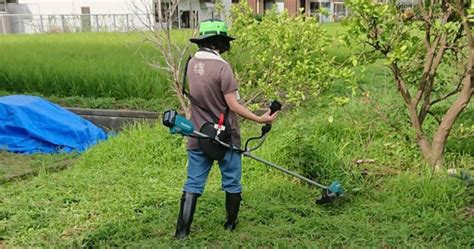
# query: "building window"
{"points": [[3, 6], [85, 10], [339, 8]]}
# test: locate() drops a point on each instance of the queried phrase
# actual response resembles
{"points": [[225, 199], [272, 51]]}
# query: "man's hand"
{"points": [[267, 118]]}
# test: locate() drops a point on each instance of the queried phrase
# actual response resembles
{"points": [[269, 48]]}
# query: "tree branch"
{"points": [[401, 85], [448, 120], [458, 88], [431, 64], [434, 116]]}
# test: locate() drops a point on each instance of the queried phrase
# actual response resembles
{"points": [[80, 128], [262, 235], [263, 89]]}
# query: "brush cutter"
{"points": [[180, 125]]}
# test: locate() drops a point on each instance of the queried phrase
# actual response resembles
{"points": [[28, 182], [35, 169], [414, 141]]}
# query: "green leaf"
{"points": [[330, 119]]}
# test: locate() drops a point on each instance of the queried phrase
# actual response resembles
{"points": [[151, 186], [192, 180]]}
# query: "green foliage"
{"points": [[283, 55], [399, 39], [428, 54]]}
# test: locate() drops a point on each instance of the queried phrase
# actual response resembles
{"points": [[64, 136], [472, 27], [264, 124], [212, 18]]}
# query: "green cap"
{"points": [[210, 28]]}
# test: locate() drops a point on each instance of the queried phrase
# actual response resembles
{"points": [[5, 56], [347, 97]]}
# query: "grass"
{"points": [[81, 64], [125, 191], [16, 167], [152, 104], [101, 67]]}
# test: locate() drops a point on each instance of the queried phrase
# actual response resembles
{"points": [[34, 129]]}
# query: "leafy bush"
{"points": [[282, 55]]}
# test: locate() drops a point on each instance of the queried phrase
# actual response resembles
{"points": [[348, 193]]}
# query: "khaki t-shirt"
{"points": [[210, 77]]}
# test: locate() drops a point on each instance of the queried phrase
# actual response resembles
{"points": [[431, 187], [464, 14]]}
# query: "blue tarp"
{"points": [[31, 124]]}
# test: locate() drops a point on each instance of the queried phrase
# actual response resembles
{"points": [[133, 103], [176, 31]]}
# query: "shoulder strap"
{"points": [[191, 98], [195, 102], [183, 90]]}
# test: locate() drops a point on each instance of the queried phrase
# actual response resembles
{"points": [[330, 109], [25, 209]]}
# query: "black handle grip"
{"points": [[275, 106]]}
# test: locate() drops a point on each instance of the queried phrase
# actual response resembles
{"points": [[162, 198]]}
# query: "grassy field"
{"points": [[80, 64], [125, 191], [16, 167], [100, 70]]}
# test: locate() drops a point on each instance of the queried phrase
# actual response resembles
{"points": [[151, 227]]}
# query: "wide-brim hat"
{"points": [[212, 28]]}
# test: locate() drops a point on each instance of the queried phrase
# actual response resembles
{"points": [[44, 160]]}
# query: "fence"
{"points": [[29, 24]]}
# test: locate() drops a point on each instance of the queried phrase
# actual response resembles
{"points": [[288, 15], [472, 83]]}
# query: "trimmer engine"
{"points": [[177, 123]]}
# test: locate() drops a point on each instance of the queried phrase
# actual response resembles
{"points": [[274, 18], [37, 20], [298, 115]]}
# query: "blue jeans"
{"points": [[199, 166]]}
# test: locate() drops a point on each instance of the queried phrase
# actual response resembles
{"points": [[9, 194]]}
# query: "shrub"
{"points": [[282, 55]]}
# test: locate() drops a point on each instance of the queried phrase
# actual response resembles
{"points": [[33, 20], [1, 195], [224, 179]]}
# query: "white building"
{"points": [[68, 7], [31, 16]]}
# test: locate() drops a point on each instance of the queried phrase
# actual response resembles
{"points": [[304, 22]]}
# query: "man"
{"points": [[213, 91]]}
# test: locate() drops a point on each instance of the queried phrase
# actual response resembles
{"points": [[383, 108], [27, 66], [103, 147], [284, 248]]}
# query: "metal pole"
{"points": [[115, 23], [42, 24], [126, 17], [247, 154], [20, 26], [4, 28], [278, 167], [62, 21], [97, 22], [319, 14], [179, 19]]}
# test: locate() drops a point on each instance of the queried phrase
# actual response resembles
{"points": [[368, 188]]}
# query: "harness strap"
{"points": [[196, 103]]}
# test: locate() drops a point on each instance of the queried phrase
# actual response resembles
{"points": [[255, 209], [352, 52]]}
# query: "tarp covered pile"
{"points": [[31, 124]]}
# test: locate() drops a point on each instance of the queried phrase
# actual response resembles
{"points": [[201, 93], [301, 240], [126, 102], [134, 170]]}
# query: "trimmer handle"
{"points": [[274, 107]]}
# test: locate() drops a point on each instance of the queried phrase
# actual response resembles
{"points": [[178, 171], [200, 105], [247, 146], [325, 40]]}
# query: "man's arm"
{"points": [[235, 106]]}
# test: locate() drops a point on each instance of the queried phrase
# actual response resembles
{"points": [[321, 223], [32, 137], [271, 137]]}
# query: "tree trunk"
{"points": [[441, 135]]}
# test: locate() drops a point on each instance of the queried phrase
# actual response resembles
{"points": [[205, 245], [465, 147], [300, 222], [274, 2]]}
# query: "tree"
{"points": [[159, 18], [282, 55], [430, 51]]}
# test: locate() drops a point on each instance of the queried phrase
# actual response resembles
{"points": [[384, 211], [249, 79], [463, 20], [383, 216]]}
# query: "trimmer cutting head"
{"points": [[330, 193]]}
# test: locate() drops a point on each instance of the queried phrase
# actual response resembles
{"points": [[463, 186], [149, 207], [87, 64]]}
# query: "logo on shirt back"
{"points": [[199, 68]]}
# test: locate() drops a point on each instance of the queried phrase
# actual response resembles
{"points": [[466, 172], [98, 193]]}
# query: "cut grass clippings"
{"points": [[18, 166]]}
